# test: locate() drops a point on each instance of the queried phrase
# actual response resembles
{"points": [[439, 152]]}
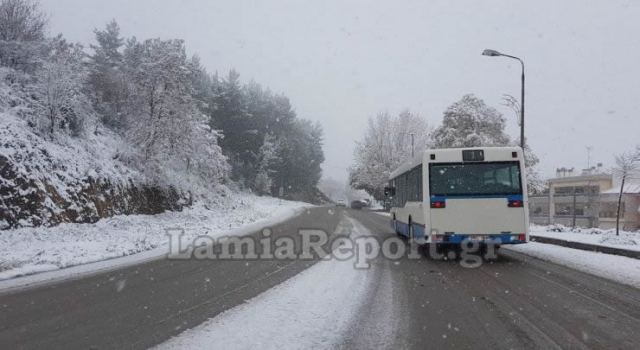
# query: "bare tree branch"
{"points": [[513, 104]]}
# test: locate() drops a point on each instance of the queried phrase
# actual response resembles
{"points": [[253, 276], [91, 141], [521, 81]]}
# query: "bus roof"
{"points": [[451, 155]]}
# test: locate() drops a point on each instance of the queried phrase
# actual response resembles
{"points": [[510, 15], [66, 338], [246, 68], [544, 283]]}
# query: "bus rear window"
{"points": [[471, 179]]}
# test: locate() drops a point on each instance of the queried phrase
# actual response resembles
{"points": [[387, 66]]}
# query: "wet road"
{"points": [[143, 305], [515, 302]]}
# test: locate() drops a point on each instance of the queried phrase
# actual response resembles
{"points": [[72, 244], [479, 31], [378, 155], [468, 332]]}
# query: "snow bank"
{"points": [[26, 251], [617, 268], [607, 238], [313, 310]]}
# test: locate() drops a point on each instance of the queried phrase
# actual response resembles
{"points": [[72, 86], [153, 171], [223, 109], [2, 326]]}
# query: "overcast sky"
{"points": [[341, 62]]}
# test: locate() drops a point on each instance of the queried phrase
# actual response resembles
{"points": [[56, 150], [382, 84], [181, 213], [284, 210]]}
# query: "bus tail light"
{"points": [[438, 204], [519, 237], [515, 203], [437, 238]]}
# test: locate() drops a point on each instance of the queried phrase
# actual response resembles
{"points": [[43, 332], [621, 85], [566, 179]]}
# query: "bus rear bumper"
{"points": [[484, 239], [458, 238]]}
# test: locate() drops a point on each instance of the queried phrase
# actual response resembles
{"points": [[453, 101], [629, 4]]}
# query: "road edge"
{"points": [[90, 269]]}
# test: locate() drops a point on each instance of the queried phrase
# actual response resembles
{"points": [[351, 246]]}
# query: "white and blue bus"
{"points": [[448, 196]]}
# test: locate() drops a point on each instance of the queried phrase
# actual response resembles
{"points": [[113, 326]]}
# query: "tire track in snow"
{"points": [[318, 308]]}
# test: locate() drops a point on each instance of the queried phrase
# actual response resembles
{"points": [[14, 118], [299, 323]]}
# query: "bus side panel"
{"points": [[426, 207], [415, 215], [411, 212]]}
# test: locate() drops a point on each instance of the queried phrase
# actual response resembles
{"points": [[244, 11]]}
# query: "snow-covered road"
{"points": [[313, 310], [317, 308], [516, 301]]}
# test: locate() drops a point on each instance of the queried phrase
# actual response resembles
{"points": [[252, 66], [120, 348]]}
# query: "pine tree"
{"points": [[107, 78], [267, 157]]}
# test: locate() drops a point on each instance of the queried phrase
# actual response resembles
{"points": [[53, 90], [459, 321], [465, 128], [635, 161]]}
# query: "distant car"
{"points": [[341, 203], [358, 204]]}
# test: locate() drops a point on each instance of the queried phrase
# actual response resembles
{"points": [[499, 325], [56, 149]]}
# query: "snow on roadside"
{"points": [[606, 238], [617, 268], [312, 310], [27, 251]]}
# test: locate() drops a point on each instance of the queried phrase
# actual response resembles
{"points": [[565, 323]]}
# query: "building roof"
{"points": [[628, 188], [593, 177]]}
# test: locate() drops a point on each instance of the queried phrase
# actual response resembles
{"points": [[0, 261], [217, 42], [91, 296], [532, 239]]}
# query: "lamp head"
{"points": [[489, 52]]}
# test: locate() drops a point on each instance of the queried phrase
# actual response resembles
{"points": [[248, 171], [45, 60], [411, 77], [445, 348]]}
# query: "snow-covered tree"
{"points": [[163, 119], [471, 123], [626, 165], [535, 182], [60, 102], [203, 86], [202, 155], [21, 20], [386, 145], [160, 94], [22, 34]]}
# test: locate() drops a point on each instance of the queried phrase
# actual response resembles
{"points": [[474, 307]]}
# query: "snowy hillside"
{"points": [[135, 126], [45, 182]]}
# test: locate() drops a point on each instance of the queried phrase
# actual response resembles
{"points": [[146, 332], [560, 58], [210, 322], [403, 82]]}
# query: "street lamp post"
{"points": [[494, 53], [412, 134]]}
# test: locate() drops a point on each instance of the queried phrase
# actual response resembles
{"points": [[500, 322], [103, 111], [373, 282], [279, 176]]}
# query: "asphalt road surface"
{"points": [[515, 302]]}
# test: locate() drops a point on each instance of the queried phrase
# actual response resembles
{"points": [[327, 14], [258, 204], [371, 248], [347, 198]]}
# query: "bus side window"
{"points": [[419, 171]]}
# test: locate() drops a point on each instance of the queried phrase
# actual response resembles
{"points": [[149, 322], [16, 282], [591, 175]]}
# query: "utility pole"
{"points": [[412, 136], [573, 224]]}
